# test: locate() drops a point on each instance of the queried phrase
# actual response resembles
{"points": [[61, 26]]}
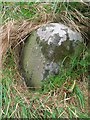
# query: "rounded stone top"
{"points": [[56, 33]]}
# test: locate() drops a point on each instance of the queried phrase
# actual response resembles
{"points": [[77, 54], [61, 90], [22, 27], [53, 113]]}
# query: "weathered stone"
{"points": [[45, 49]]}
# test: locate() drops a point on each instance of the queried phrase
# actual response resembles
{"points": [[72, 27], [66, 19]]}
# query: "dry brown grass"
{"points": [[14, 33]]}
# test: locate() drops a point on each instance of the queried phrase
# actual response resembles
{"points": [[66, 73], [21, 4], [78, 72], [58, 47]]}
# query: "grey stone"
{"points": [[45, 50]]}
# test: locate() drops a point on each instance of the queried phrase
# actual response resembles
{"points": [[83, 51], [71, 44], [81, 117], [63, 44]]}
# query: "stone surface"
{"points": [[45, 50]]}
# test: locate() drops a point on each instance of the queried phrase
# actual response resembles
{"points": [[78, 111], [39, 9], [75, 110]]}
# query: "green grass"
{"points": [[20, 10], [61, 96]]}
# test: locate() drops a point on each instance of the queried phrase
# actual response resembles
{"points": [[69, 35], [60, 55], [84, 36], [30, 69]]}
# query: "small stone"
{"points": [[45, 50]]}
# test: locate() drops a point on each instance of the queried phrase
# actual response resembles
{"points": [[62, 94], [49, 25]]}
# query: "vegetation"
{"points": [[63, 96]]}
